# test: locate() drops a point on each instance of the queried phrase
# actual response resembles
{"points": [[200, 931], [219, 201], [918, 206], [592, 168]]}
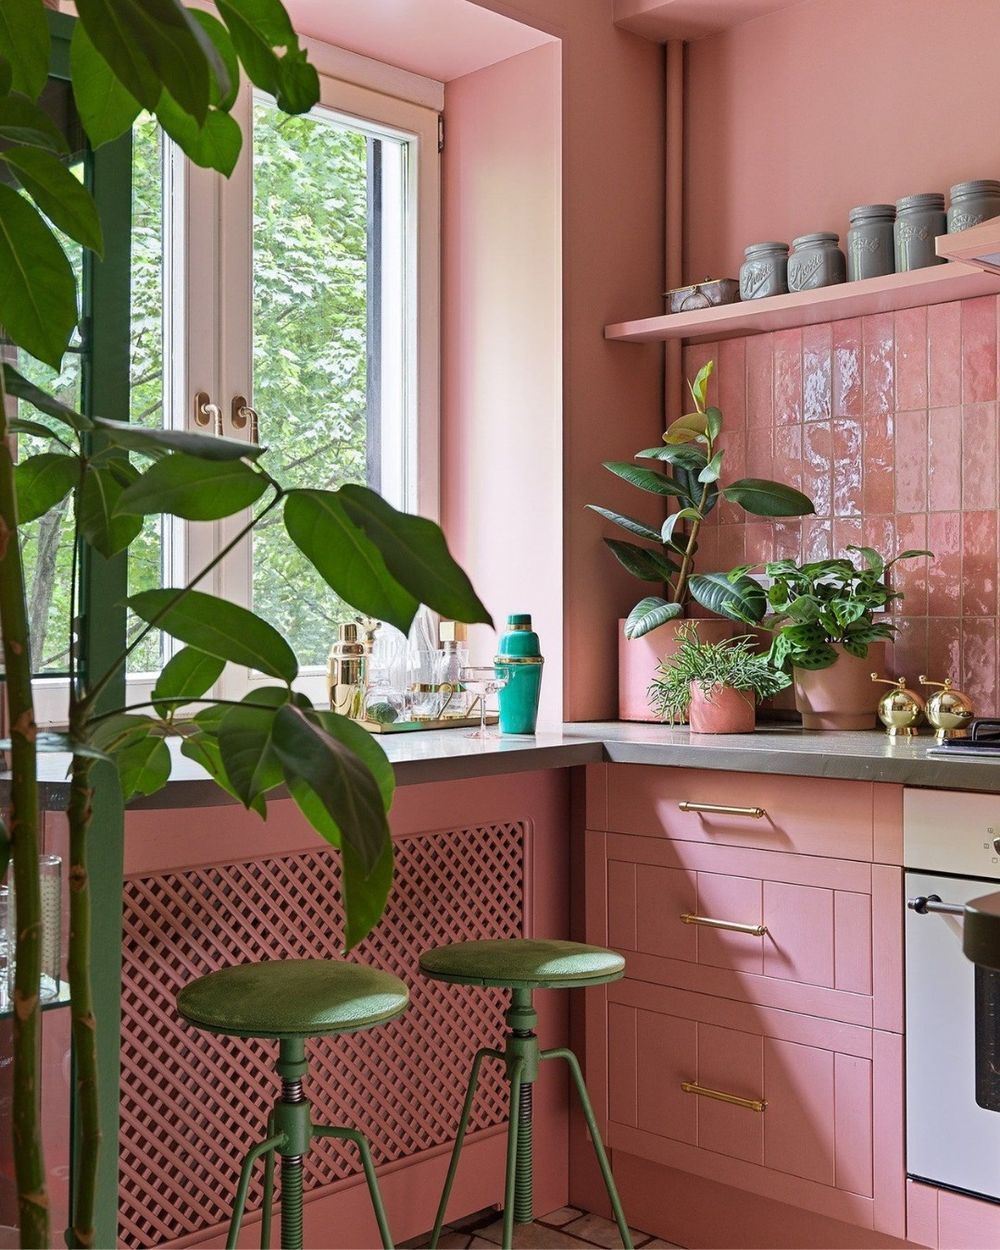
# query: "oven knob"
{"points": [[996, 844]]}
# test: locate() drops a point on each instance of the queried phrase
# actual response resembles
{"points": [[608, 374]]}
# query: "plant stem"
{"points": [[78, 812], [681, 587], [29, 1162]]}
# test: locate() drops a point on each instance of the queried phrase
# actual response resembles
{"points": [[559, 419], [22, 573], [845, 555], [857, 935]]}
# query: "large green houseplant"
{"points": [[692, 478], [183, 65]]}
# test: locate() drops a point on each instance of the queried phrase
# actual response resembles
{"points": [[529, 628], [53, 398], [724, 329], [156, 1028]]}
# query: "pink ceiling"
{"points": [[441, 39]]}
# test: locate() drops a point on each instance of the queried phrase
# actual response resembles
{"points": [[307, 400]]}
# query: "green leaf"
{"points": [[219, 628], [672, 521], [741, 600], [23, 121], [699, 387], [343, 783], [245, 745], [214, 145], [37, 287], [713, 470], [648, 614], [764, 498], [24, 43], [58, 193], [100, 523], [195, 489], [158, 442], [713, 422], [17, 385], [691, 458], [365, 894], [628, 523], [871, 558], [223, 44], [910, 555], [143, 766], [646, 479], [113, 733], [57, 743], [34, 428], [203, 749], [152, 44], [6, 76], [417, 555], [648, 566], [42, 482], [258, 27], [345, 557], [820, 655], [107, 108], [186, 675]]}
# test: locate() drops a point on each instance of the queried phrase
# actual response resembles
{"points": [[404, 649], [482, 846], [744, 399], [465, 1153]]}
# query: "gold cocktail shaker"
{"points": [[347, 671]]}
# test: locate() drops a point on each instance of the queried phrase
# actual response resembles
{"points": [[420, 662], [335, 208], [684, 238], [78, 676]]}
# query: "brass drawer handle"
{"points": [[722, 809], [755, 930], [751, 1104]]}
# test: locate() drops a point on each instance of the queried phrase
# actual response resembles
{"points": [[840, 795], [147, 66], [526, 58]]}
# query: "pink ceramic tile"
{"points": [[911, 461], [759, 542], [760, 380], [879, 357], [817, 539], [847, 532], [696, 355], [787, 542], [979, 456], [979, 563], [708, 546], [979, 349], [879, 462], [944, 459], [817, 373], [732, 546], [787, 377], [848, 368], [880, 532], [817, 465], [731, 367], [760, 457], [734, 443], [944, 573], [944, 355], [944, 648], [909, 648], [787, 451], [979, 662], [911, 358], [909, 577], [847, 474]]}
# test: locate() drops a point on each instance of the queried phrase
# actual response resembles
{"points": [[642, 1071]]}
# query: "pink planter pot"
{"points": [[721, 711], [639, 659], [842, 696]]}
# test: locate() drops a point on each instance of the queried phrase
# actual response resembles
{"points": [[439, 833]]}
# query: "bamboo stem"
{"points": [[33, 1203]]}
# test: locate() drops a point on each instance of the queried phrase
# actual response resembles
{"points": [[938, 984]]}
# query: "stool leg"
{"points": [[266, 1147], [359, 1139], [595, 1136], [268, 1203], [463, 1124], [516, 1077]]}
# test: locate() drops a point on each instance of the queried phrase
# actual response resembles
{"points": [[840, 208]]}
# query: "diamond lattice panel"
{"points": [[191, 1103]]}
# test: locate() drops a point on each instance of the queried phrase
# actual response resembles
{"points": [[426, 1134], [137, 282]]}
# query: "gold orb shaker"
{"points": [[900, 710], [948, 710]]}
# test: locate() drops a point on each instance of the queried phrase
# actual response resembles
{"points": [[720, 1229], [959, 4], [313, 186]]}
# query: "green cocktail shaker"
{"points": [[519, 660]]}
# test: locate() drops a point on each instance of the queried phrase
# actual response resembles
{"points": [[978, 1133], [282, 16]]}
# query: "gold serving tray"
{"points": [[411, 726]]}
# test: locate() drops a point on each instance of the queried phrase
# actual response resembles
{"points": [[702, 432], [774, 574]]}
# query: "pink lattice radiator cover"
{"points": [[192, 1103]]}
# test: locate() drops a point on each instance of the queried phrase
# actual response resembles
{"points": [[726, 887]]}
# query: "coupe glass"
{"points": [[483, 681]]}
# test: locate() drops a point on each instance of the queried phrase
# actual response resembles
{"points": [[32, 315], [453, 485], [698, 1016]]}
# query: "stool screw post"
{"points": [[522, 1045]]}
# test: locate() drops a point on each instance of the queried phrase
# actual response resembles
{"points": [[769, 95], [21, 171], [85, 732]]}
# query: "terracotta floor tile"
{"points": [[561, 1217], [601, 1232]]}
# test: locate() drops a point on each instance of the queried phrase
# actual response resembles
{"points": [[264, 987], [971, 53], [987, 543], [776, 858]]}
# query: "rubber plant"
{"points": [[693, 462], [184, 65]]}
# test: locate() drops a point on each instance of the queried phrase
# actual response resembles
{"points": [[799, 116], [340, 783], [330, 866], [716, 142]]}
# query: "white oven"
{"points": [[952, 855]]}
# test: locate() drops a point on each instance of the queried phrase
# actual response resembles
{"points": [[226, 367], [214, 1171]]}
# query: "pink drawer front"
{"points": [[810, 815], [809, 1108], [798, 929], [949, 1221]]}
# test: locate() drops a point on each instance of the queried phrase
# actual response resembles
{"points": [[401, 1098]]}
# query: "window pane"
{"points": [[319, 321]]}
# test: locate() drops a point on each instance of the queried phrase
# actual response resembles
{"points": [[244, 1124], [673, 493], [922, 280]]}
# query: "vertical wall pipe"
{"points": [[674, 199]]}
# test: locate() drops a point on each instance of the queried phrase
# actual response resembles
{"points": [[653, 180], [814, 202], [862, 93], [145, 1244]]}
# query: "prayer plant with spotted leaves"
{"points": [[184, 65], [693, 460]]}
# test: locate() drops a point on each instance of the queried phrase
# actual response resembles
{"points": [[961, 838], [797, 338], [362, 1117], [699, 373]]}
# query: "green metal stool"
{"points": [[523, 966], [292, 1000]]}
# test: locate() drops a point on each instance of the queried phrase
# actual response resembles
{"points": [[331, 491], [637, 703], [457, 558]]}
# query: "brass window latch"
{"points": [[206, 413], [242, 415]]}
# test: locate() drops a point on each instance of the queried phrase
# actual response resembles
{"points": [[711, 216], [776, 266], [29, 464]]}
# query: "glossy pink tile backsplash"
{"points": [[889, 423]]}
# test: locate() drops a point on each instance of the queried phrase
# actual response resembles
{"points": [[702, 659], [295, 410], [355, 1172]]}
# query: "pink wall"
{"points": [[794, 118], [889, 423], [502, 436], [612, 263]]}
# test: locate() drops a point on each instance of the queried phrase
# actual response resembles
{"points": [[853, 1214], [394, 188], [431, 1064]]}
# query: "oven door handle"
{"points": [[925, 903]]}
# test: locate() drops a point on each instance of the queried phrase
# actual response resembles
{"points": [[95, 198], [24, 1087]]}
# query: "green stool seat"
{"points": [[522, 963], [292, 998]]}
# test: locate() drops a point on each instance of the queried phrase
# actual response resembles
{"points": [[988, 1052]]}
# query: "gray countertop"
{"points": [[449, 755]]}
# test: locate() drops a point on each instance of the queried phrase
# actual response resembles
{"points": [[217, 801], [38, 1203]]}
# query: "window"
{"points": [[304, 288]]}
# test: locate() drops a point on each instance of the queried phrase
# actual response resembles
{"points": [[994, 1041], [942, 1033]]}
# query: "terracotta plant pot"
{"points": [[639, 659], [722, 711], [842, 696]]}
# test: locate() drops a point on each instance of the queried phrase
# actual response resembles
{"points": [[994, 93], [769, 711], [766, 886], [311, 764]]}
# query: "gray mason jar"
{"points": [[765, 270], [816, 261], [919, 221], [973, 202], [870, 246]]}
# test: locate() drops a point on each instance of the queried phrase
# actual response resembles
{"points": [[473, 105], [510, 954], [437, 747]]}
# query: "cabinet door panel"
{"points": [[799, 945], [733, 1063], [800, 1110], [662, 896], [736, 900], [666, 1055]]}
